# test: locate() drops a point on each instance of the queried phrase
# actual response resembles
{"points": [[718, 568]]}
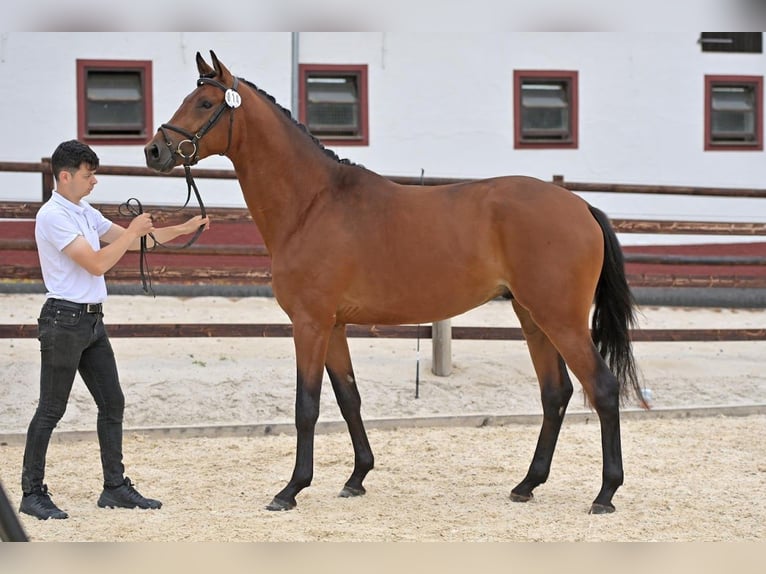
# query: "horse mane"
{"points": [[328, 152]]}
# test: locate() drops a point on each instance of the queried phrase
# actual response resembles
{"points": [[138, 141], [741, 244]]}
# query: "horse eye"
{"points": [[207, 105]]}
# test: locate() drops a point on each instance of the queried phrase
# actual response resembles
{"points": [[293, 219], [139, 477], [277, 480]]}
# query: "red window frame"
{"points": [[757, 83], [360, 71], [570, 77], [144, 67]]}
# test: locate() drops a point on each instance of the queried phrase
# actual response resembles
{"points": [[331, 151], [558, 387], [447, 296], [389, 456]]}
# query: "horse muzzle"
{"points": [[159, 157]]}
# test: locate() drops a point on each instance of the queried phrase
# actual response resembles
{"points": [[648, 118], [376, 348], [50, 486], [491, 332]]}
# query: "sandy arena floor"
{"points": [[687, 479]]}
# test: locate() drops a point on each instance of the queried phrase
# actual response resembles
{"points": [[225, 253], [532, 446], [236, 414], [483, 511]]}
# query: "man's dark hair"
{"points": [[70, 156]]}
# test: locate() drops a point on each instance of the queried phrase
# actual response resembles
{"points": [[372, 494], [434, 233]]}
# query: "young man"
{"points": [[68, 232]]}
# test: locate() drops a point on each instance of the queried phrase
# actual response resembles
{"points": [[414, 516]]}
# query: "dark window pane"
{"points": [[544, 111], [114, 86], [115, 103], [733, 114], [117, 117], [332, 105], [333, 117]]}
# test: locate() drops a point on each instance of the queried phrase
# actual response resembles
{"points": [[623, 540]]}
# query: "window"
{"points": [[733, 112], [114, 101], [333, 103], [748, 42], [545, 109]]}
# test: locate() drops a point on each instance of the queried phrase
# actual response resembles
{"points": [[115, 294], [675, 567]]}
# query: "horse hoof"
{"points": [[601, 509], [279, 504], [351, 491], [515, 497]]}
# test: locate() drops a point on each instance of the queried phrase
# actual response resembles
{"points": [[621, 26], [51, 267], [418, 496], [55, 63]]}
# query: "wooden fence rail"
{"points": [[259, 330], [244, 274], [43, 168]]}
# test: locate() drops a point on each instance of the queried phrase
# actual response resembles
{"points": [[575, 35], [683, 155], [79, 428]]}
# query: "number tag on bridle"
{"points": [[233, 99]]}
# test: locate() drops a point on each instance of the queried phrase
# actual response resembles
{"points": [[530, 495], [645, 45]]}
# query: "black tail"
{"points": [[614, 314]]}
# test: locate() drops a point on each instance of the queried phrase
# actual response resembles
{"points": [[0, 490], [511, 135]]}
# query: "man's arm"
{"points": [[119, 239], [162, 234], [165, 234]]}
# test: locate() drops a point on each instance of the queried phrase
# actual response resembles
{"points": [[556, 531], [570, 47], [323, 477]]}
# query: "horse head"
{"points": [[194, 132]]}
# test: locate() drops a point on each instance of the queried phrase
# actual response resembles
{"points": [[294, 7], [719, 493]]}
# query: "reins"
{"points": [[133, 207]]}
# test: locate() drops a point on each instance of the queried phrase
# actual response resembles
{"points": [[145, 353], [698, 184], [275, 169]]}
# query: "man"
{"points": [[68, 232]]}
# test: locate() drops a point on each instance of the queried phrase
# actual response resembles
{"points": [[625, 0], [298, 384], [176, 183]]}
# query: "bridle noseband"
{"points": [[231, 101]]}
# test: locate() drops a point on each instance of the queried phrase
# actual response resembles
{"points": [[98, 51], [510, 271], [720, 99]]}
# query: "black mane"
{"points": [[328, 152]]}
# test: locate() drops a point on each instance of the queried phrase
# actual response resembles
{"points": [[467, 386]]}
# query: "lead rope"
{"points": [[133, 207]]}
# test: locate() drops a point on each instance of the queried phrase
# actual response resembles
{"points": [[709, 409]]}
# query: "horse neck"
{"points": [[281, 172]]}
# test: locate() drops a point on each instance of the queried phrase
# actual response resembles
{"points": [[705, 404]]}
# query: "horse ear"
{"points": [[220, 70], [202, 66]]}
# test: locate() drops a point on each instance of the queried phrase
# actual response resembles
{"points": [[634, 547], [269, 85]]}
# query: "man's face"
{"points": [[81, 182]]}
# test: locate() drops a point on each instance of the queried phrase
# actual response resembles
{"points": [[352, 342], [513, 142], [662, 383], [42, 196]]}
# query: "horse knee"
{"points": [[306, 409]]}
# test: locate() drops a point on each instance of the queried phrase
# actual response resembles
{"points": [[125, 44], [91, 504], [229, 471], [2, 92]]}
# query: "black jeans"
{"points": [[72, 340]]}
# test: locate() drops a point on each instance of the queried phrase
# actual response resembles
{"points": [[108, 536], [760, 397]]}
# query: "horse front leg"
{"points": [[341, 375], [311, 341]]}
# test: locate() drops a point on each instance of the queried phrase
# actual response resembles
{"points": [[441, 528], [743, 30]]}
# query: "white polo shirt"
{"points": [[57, 224]]}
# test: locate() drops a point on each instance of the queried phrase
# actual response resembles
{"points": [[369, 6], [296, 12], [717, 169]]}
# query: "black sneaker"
{"points": [[38, 503], [125, 496]]}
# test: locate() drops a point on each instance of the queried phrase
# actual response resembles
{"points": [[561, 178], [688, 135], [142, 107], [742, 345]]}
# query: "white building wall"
{"points": [[442, 102]]}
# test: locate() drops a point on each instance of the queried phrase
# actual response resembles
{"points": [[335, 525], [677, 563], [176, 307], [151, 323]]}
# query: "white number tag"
{"points": [[233, 99]]}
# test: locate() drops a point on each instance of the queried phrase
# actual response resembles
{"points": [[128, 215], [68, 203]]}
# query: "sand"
{"points": [[688, 478]]}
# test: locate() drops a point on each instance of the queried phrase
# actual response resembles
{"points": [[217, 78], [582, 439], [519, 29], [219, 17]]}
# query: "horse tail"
{"points": [[615, 313]]}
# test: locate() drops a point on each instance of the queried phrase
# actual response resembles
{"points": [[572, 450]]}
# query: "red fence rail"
{"points": [[237, 255], [232, 252]]}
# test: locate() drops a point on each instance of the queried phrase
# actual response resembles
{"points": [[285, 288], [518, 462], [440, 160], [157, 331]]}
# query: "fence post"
{"points": [[441, 341], [47, 174]]}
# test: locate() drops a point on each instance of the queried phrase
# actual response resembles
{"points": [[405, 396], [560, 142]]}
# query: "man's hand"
{"points": [[194, 223], [141, 225]]}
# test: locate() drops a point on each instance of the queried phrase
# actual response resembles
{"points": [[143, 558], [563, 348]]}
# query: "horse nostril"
{"points": [[152, 151]]}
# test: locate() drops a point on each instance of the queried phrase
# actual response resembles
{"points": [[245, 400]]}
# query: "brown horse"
{"points": [[350, 246]]}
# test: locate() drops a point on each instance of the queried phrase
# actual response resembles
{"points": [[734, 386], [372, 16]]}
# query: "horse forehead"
{"points": [[198, 92]]}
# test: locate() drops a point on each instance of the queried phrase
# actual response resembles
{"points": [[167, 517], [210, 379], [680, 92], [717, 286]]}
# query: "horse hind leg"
{"points": [[555, 392], [341, 373], [602, 390]]}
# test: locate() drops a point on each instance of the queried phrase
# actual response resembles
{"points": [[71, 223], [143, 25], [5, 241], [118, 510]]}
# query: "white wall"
{"points": [[442, 102]]}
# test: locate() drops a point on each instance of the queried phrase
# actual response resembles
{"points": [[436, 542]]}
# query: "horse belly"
{"points": [[429, 293]]}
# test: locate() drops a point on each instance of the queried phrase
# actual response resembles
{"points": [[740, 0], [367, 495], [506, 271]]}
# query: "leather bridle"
{"points": [[231, 101]]}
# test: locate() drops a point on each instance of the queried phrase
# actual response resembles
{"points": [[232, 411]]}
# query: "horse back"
{"points": [[404, 254]]}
